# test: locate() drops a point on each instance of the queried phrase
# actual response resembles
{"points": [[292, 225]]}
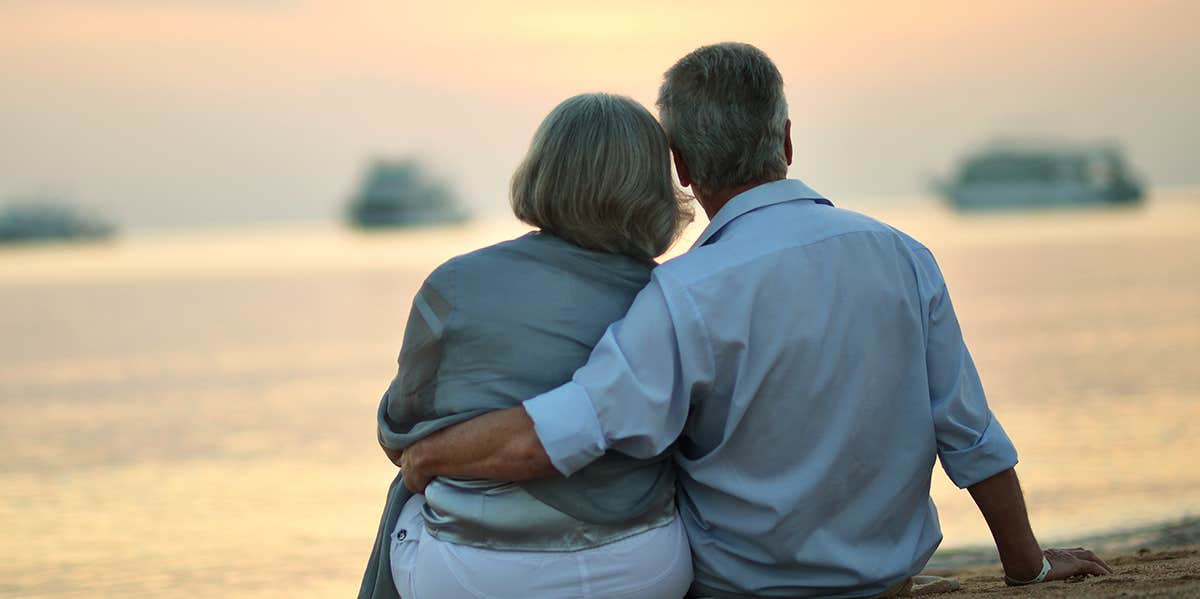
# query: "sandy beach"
{"points": [[1146, 573], [189, 403], [1158, 561]]}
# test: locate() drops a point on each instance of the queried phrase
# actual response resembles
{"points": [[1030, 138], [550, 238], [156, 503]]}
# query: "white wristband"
{"points": [[1041, 577]]}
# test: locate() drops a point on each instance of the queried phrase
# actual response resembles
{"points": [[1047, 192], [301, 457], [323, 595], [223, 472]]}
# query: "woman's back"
{"points": [[527, 313], [493, 328], [498, 326]]}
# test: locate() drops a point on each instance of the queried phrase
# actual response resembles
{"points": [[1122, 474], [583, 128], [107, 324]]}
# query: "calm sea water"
{"points": [[194, 414]]}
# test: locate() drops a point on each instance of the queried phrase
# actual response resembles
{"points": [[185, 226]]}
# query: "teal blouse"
{"points": [[487, 331]]}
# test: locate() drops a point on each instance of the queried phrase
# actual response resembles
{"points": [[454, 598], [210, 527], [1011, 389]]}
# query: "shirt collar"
{"points": [[775, 192]]}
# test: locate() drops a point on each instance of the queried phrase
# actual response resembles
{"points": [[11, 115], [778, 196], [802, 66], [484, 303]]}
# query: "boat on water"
{"points": [[401, 194], [1035, 175], [40, 220]]}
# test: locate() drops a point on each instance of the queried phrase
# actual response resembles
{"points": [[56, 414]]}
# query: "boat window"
{"points": [[1010, 168]]}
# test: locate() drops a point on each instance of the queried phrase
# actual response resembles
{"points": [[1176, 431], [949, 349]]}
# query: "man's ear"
{"points": [[787, 141], [681, 169]]}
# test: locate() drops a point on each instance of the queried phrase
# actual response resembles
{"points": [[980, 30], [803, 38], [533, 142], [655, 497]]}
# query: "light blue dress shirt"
{"points": [[808, 364]]}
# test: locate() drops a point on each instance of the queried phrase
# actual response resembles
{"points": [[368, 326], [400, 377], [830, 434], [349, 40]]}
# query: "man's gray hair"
{"points": [[598, 174], [724, 111]]}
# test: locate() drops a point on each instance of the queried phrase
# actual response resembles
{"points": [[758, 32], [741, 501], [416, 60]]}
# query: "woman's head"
{"points": [[598, 174]]}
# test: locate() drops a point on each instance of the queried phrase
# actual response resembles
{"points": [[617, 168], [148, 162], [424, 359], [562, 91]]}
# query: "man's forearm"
{"points": [[1003, 506], [499, 445]]}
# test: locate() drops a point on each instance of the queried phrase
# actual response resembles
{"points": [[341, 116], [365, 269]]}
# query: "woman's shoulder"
{"points": [[493, 261], [485, 268], [535, 262], [505, 251], [533, 251]]}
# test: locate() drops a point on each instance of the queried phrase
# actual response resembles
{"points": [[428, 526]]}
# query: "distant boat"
{"points": [[30, 221], [1030, 175], [401, 194]]}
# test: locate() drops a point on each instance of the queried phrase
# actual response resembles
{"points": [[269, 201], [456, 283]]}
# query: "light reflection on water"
{"points": [[196, 412]]}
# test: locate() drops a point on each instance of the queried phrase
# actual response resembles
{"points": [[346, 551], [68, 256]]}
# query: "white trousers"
{"points": [[656, 564]]}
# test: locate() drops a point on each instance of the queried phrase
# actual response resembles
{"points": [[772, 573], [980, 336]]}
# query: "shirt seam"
{"points": [[443, 339], [940, 293], [711, 232], [702, 328], [709, 273]]}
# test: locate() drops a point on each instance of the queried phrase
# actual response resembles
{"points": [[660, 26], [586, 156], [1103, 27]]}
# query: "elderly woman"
{"points": [[510, 321]]}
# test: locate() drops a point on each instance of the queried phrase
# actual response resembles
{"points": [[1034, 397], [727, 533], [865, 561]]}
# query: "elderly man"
{"points": [[805, 361]]}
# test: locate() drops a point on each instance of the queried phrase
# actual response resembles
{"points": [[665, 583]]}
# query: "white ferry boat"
{"points": [[1040, 175]]}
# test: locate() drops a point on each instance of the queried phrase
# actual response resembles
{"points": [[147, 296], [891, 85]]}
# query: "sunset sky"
{"points": [[176, 113]]}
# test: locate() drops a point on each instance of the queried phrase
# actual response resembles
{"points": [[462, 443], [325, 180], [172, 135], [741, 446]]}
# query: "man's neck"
{"points": [[712, 203]]}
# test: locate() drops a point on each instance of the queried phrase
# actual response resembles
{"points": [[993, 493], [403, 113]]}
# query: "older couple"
{"points": [[759, 417]]}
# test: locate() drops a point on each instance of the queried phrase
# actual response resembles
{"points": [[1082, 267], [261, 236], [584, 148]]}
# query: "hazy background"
{"points": [[178, 113], [189, 409]]}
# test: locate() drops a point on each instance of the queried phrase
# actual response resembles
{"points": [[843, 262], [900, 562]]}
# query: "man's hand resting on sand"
{"points": [[1003, 506], [1069, 563]]}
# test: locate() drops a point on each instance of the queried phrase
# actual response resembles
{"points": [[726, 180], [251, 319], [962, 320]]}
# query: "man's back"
{"points": [[815, 369], [813, 450], [805, 364]]}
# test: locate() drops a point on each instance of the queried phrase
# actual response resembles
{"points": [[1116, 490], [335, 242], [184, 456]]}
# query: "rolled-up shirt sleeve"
{"points": [[634, 393], [971, 444]]}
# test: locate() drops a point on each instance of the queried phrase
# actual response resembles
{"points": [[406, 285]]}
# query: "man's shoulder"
{"points": [[859, 221], [763, 234]]}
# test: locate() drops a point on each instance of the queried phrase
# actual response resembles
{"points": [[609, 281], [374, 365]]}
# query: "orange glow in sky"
{"points": [[224, 111]]}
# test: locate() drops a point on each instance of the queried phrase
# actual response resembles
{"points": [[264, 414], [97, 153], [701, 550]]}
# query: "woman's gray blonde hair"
{"points": [[598, 174], [724, 111]]}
